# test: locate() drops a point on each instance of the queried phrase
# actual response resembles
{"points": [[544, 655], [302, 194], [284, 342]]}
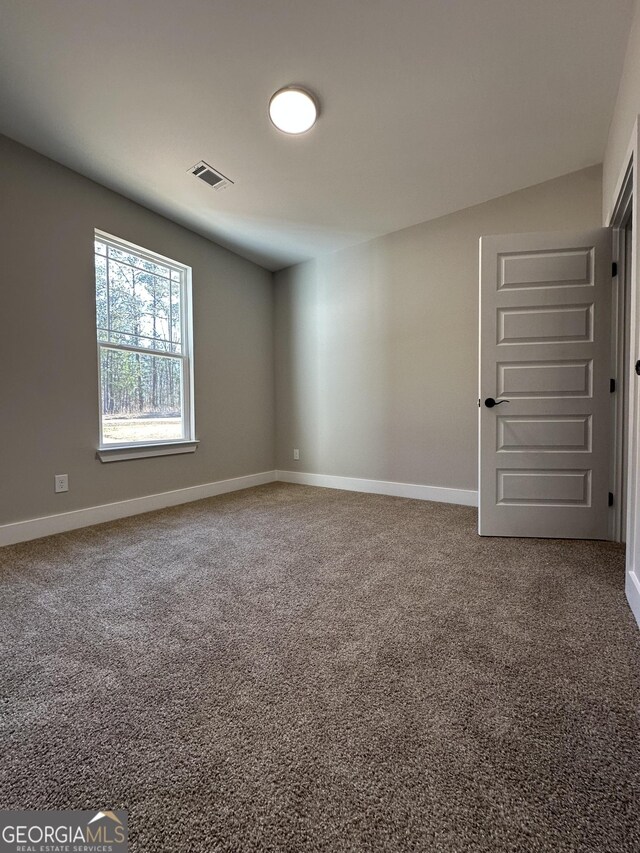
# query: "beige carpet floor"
{"points": [[299, 669]]}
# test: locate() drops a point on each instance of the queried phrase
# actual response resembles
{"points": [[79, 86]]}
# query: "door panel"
{"points": [[544, 350], [545, 268], [545, 325], [522, 487], [552, 433], [539, 379]]}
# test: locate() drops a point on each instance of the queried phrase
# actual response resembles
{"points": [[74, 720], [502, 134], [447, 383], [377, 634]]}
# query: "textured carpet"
{"points": [[299, 669]]}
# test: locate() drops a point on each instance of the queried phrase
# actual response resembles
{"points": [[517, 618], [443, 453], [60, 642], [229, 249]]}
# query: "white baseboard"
{"points": [[34, 528], [466, 497], [632, 588]]}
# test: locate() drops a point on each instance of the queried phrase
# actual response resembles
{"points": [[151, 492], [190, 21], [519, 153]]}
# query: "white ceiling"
{"points": [[428, 106]]}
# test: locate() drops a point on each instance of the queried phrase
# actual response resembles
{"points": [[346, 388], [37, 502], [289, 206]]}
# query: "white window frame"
{"points": [[113, 452]]}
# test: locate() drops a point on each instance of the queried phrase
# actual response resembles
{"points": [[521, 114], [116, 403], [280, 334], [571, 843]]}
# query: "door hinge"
{"points": [[612, 386], [610, 498], [614, 269]]}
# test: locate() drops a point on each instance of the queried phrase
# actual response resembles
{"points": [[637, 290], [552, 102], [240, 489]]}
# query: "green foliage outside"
{"points": [[138, 305]]}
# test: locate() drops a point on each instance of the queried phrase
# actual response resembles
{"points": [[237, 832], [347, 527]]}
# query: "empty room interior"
{"points": [[320, 426]]}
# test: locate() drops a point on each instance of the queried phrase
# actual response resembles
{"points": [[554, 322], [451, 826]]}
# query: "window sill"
{"points": [[122, 452]]}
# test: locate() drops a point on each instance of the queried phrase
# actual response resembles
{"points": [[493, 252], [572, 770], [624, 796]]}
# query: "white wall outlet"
{"points": [[61, 482], [296, 455]]}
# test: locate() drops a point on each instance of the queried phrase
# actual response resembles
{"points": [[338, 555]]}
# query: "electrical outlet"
{"points": [[296, 455], [61, 482]]}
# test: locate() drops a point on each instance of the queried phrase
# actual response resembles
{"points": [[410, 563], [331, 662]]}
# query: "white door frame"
{"points": [[629, 181], [621, 318]]}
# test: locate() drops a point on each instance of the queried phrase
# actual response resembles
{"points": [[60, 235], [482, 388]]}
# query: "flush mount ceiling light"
{"points": [[293, 109]]}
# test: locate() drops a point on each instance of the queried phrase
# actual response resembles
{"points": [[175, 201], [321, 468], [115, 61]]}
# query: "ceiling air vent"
{"points": [[209, 175]]}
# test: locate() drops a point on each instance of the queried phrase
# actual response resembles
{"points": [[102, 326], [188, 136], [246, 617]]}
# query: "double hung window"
{"points": [[143, 320]]}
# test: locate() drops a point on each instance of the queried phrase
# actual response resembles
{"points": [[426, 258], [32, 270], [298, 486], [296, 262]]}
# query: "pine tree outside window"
{"points": [[143, 319]]}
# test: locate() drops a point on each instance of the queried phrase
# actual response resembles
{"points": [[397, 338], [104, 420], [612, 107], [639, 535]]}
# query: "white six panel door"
{"points": [[545, 302]]}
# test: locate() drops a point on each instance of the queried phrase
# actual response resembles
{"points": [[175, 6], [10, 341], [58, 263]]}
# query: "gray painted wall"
{"points": [[376, 345], [48, 364], [625, 112], [375, 356]]}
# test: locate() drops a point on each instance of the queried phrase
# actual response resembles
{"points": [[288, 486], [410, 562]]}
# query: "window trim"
{"points": [[123, 452], [112, 451]]}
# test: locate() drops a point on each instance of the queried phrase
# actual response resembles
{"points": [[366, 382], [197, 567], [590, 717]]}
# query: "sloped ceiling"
{"points": [[428, 106]]}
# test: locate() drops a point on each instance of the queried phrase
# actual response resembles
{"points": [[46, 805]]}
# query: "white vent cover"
{"points": [[209, 175]]}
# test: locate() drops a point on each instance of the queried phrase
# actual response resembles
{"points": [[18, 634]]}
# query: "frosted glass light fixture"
{"points": [[293, 110]]}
